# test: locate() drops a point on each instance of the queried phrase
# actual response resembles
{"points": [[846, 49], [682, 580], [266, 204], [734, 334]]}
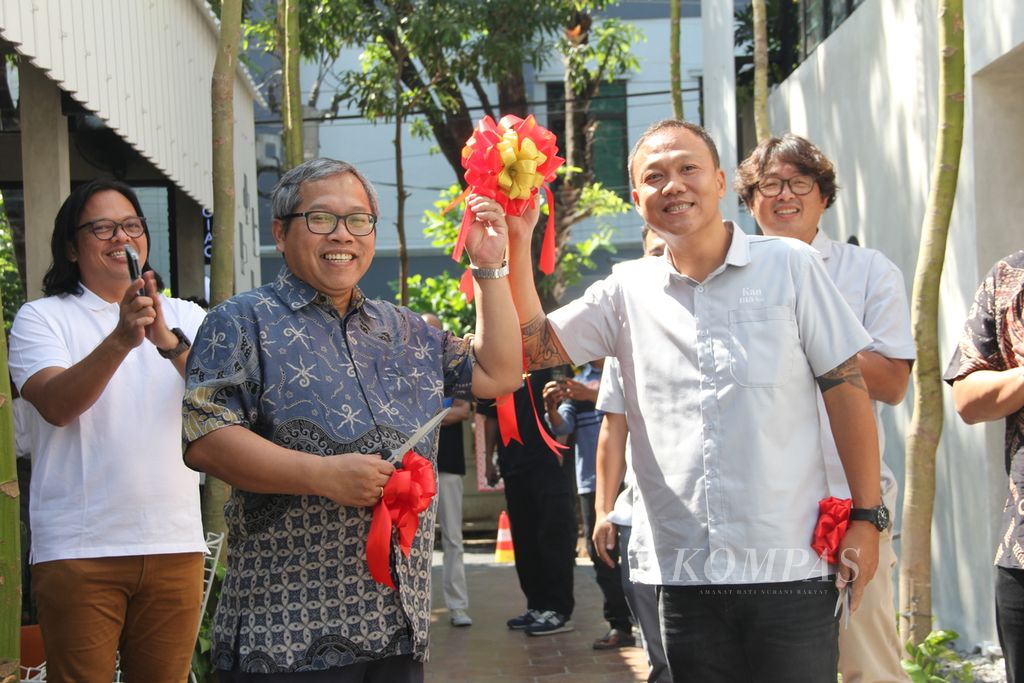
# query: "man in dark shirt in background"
{"points": [[542, 512]]}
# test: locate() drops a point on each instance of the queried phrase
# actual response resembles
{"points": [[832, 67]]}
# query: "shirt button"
{"points": [[700, 289]]}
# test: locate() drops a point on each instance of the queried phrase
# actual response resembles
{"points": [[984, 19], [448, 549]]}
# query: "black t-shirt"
{"points": [[451, 457], [517, 457]]}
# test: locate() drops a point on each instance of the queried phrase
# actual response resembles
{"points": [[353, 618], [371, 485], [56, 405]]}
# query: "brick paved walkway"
{"points": [[488, 652]]}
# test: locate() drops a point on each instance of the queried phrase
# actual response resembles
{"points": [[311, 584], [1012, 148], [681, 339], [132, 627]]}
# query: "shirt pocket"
{"points": [[762, 342]]}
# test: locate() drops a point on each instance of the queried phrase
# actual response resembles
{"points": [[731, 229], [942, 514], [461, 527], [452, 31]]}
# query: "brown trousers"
{"points": [[869, 651], [146, 606]]}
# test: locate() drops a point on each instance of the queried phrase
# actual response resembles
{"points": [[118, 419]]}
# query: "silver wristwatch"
{"points": [[490, 273]]}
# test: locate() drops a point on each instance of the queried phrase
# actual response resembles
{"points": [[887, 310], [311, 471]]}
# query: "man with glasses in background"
{"points": [[295, 391], [117, 537], [788, 183]]}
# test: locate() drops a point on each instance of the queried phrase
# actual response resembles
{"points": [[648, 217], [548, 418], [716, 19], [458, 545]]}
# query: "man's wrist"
{"points": [[181, 345], [489, 273]]}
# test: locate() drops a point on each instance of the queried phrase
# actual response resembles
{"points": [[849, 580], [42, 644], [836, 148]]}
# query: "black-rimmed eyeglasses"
{"points": [[104, 228], [325, 222], [798, 185]]}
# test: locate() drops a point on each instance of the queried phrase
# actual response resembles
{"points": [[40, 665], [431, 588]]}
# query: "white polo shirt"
{"points": [[612, 399], [112, 482], [721, 403], [873, 287]]}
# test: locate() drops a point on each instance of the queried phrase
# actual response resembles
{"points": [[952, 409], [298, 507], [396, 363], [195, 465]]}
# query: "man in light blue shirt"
{"points": [[724, 344]]}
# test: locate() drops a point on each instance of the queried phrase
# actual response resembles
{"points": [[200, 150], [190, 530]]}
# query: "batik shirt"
{"points": [[994, 326], [281, 362]]}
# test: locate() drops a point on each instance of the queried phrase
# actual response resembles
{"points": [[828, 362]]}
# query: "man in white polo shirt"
{"points": [[723, 344], [117, 538], [788, 183]]}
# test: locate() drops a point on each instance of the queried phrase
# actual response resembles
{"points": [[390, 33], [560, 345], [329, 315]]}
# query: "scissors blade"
{"points": [[397, 453]]}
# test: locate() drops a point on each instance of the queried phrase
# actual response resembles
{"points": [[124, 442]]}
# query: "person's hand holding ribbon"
{"points": [[406, 495], [487, 238]]}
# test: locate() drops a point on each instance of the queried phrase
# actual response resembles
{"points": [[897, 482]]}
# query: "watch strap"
{"points": [[490, 273], [183, 345], [879, 516]]}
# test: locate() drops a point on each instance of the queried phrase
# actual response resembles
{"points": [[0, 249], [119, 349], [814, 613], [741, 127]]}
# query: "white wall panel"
{"points": [[143, 66], [868, 96]]}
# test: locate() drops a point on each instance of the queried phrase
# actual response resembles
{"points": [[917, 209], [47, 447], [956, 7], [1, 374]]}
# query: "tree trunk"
{"points": [[761, 127], [291, 98], [403, 252], [675, 72], [512, 95], [222, 260], [926, 424], [10, 530]]}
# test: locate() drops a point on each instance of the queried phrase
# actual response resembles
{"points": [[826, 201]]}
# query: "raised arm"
{"points": [[853, 430], [540, 344], [496, 345]]}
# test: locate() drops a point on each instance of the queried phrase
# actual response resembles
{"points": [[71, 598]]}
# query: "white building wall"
{"points": [[145, 68], [867, 97]]}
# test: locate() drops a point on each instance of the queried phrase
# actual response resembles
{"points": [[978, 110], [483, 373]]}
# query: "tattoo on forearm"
{"points": [[539, 344], [848, 371]]}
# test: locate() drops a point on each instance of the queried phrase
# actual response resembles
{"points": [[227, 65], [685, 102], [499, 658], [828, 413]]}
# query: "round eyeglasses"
{"points": [[104, 228], [798, 185], [325, 222]]}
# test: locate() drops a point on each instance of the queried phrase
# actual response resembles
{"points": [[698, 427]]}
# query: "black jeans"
{"points": [[747, 633], [542, 514], [395, 669], [609, 579], [1010, 620]]}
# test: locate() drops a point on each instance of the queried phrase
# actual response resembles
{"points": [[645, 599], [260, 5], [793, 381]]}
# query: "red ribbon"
{"points": [[406, 495], [548, 439], [486, 170], [508, 423], [833, 518]]}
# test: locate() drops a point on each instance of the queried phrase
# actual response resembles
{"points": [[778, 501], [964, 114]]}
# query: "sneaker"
{"points": [[549, 623], [458, 617], [615, 638], [523, 620]]}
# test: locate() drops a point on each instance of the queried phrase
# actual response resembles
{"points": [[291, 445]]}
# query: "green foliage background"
{"points": [[11, 289], [440, 294]]}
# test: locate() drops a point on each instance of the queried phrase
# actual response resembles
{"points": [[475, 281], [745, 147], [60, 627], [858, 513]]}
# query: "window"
{"points": [[610, 145], [819, 18]]}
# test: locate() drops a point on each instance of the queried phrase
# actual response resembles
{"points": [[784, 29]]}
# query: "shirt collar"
{"points": [[93, 301], [296, 293], [738, 254], [822, 243], [739, 248]]}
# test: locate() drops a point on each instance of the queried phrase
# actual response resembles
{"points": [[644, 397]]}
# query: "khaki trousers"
{"points": [[869, 651], [146, 606]]}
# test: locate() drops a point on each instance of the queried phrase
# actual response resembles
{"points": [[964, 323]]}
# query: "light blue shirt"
{"points": [[721, 403], [583, 421]]}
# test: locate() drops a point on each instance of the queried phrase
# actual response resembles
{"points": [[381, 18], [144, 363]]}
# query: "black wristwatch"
{"points": [[183, 345], [879, 516]]}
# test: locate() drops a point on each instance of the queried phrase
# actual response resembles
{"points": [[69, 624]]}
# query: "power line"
{"points": [[331, 118]]}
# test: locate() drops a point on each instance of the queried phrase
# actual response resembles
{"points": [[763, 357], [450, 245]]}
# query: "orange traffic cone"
{"points": [[503, 551]]}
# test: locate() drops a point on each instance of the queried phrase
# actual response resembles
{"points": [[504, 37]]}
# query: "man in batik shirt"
{"points": [[294, 392], [987, 374]]}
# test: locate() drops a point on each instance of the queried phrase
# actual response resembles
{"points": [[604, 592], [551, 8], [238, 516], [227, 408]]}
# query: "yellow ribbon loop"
{"points": [[518, 176]]}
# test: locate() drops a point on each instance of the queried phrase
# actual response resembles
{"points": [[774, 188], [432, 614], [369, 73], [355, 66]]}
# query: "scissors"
{"points": [[395, 455], [844, 602]]}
